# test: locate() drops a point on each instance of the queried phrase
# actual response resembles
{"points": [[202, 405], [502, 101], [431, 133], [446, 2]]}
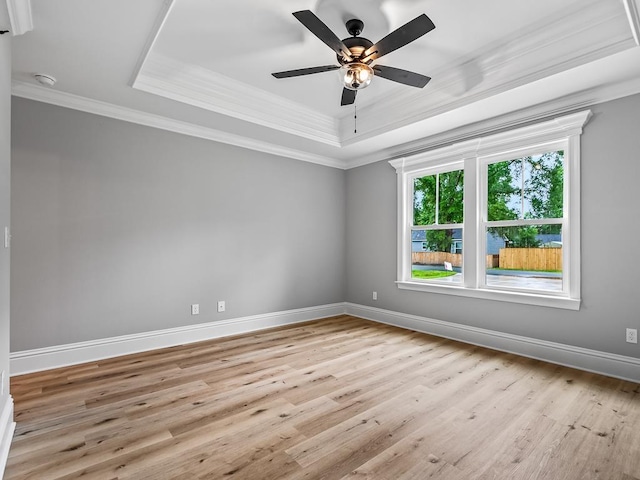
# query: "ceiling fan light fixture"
{"points": [[356, 75]]}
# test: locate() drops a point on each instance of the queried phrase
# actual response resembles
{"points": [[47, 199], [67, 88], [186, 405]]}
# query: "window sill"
{"points": [[497, 295]]}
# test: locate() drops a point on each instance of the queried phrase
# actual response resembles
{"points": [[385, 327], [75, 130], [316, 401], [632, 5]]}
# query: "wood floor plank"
{"points": [[338, 398]]}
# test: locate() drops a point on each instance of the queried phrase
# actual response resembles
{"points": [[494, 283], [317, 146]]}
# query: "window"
{"points": [[437, 220], [496, 217], [523, 207]]}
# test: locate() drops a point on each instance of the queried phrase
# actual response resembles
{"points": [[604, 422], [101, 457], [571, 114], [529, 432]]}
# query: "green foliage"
{"points": [[500, 191], [545, 189], [447, 206], [424, 204], [539, 179], [431, 273], [439, 240], [520, 237]]}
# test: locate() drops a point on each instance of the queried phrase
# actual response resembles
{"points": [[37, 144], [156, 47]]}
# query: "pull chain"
{"points": [[355, 118]]}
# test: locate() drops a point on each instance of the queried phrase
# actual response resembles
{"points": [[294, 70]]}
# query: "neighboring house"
{"points": [[494, 242], [550, 240], [419, 244]]}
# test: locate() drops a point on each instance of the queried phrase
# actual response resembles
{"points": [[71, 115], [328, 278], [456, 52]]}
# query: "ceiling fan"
{"points": [[356, 54]]}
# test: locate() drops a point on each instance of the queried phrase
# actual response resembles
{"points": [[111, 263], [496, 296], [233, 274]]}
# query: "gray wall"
{"points": [[118, 228], [610, 248], [5, 202]]}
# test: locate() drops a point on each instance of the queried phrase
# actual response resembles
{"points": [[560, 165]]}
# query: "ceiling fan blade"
{"points": [[401, 76], [399, 38], [305, 71], [348, 96], [324, 33]]}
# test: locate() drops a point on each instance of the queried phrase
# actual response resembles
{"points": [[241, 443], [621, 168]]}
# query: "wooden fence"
{"points": [[531, 258], [438, 258], [513, 258]]}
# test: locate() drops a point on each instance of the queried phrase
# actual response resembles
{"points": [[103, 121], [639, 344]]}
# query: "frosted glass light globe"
{"points": [[356, 76]]}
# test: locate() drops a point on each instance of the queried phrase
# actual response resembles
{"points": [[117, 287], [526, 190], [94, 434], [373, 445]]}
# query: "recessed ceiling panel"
{"points": [[220, 56]]}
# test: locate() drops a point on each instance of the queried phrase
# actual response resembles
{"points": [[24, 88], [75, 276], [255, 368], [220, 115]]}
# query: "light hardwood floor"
{"points": [[331, 399]]}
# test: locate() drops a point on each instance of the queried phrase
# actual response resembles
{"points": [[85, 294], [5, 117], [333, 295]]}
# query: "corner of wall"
{"points": [[7, 426]]}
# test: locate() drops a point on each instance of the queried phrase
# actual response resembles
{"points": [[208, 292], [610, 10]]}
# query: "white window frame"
{"points": [[561, 133], [445, 168]]}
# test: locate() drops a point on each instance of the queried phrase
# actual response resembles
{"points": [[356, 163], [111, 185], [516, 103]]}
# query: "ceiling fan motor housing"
{"points": [[356, 45]]}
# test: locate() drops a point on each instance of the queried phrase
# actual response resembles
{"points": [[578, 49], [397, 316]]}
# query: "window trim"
{"points": [[474, 155]]}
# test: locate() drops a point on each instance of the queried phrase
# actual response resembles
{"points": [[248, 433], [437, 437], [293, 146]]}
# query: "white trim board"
{"points": [[617, 366], [7, 427], [47, 358], [110, 110], [20, 16], [215, 92], [632, 8]]}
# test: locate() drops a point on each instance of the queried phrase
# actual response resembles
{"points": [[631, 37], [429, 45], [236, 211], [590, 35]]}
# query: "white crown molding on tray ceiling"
{"points": [[559, 106], [212, 91], [578, 100], [97, 107], [633, 13], [20, 16]]}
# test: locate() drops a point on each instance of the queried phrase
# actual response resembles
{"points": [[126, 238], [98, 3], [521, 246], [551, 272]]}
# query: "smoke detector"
{"points": [[46, 80]]}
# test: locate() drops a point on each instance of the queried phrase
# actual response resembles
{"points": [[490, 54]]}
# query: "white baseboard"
{"points": [[618, 366], [40, 359], [7, 426]]}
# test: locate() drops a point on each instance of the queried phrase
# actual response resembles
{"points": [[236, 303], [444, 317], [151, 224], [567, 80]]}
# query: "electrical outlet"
{"points": [[375, 295], [195, 309], [221, 306], [632, 335]]}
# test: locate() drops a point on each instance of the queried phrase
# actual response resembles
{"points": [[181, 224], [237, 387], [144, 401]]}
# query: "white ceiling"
{"points": [[203, 68]]}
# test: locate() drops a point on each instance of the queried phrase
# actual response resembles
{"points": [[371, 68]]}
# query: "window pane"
{"points": [[451, 205], [424, 200], [544, 186], [528, 257], [438, 199], [527, 187], [437, 255]]}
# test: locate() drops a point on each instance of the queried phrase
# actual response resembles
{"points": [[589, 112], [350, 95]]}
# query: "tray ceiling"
{"points": [[203, 68]]}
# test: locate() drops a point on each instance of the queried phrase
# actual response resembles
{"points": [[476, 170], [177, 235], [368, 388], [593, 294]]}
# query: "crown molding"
{"points": [[203, 88], [161, 19], [543, 132], [632, 8], [536, 113], [97, 107], [20, 16], [576, 38]]}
